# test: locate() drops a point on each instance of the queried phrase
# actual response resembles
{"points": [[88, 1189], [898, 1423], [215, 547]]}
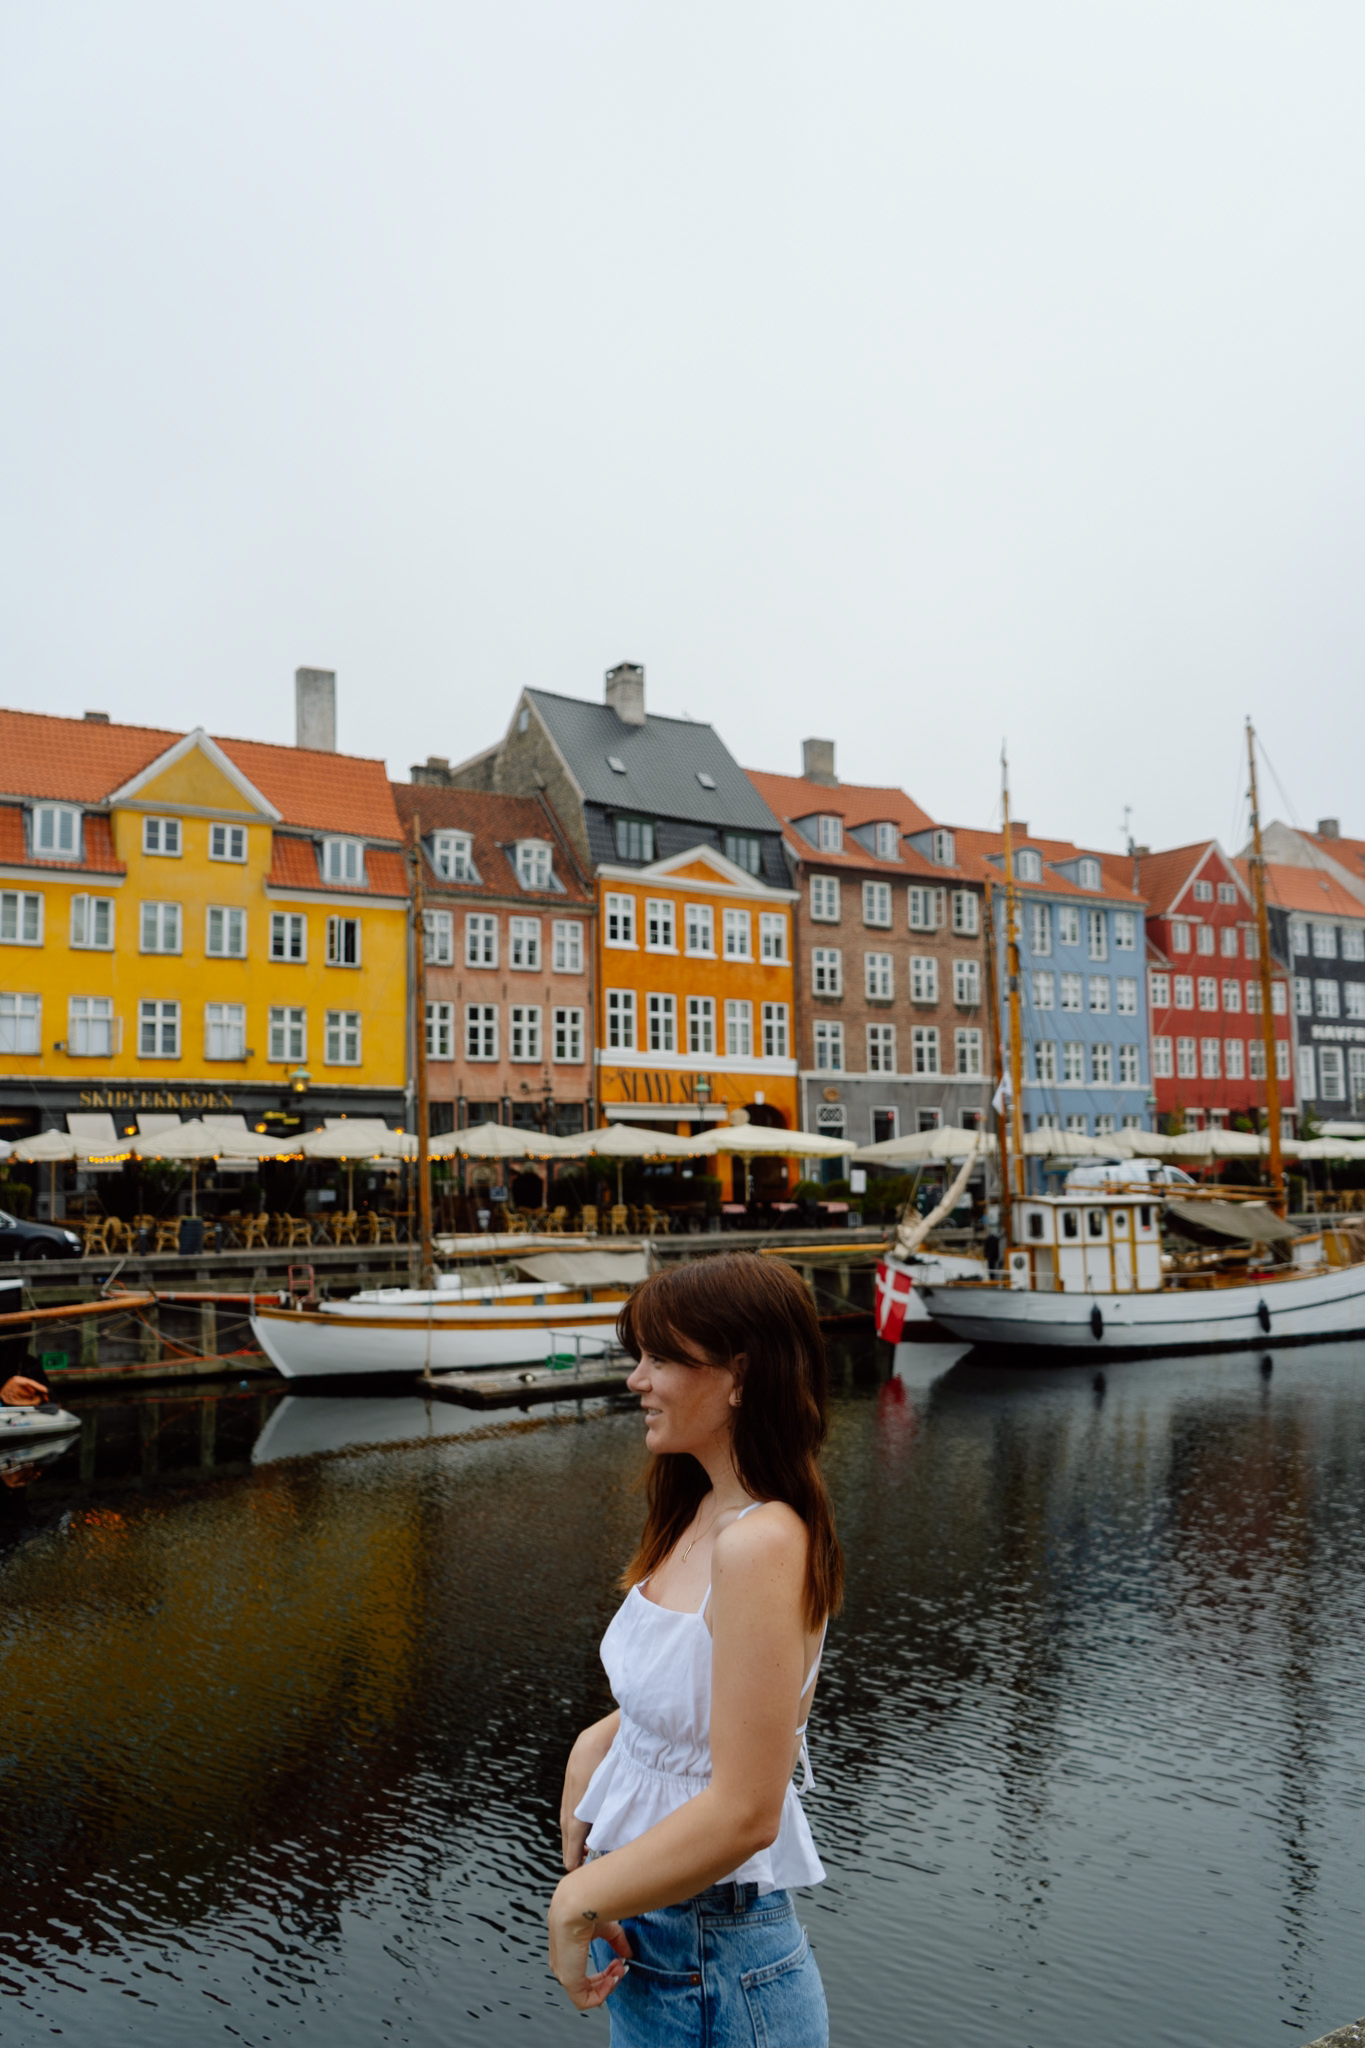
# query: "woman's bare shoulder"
{"points": [[773, 1538]]}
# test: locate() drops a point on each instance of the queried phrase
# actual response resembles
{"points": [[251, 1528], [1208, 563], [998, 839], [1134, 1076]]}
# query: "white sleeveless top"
{"points": [[658, 1661]]}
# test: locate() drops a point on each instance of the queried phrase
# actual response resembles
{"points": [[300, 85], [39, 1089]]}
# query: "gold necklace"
{"points": [[697, 1538]]}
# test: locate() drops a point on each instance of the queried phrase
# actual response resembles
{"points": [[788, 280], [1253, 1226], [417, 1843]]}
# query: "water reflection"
{"points": [[287, 1683]]}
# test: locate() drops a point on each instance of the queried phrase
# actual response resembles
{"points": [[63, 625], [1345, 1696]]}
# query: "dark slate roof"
{"points": [[661, 756], [676, 835]]}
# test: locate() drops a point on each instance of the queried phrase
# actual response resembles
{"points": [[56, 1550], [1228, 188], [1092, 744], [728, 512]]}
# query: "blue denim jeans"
{"points": [[727, 1969]]}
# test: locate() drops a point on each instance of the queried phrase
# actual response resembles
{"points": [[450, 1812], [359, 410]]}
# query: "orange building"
{"points": [[696, 993]]}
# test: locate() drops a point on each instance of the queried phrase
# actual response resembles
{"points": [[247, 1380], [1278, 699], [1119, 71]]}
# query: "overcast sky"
{"points": [[915, 376]]}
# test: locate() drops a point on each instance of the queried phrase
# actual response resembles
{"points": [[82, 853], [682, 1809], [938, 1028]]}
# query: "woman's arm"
{"points": [[757, 1607], [586, 1754]]}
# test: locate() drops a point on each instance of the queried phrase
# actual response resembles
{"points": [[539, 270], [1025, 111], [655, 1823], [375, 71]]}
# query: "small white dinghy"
{"points": [[28, 1433]]}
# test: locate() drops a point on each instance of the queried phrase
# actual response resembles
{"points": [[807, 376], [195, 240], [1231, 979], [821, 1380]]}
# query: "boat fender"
{"points": [[1096, 1322], [1263, 1316]]}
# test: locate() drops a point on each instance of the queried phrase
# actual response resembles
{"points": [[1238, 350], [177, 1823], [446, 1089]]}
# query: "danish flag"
{"points": [[894, 1284]]}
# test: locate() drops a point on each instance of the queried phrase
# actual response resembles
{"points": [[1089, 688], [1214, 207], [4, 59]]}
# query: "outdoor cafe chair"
{"points": [[255, 1233], [656, 1223], [555, 1221], [618, 1220], [344, 1228], [587, 1220], [168, 1235]]}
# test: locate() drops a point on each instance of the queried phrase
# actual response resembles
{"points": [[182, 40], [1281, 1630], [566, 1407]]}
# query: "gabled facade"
{"points": [[694, 943], [510, 968], [1082, 949], [890, 964], [189, 923], [1204, 991]]}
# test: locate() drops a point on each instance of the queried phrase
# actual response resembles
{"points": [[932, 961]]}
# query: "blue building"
{"points": [[1083, 998]]}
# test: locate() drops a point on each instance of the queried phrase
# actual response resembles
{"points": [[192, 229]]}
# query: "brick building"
{"points": [[1204, 990], [890, 966], [509, 961]]}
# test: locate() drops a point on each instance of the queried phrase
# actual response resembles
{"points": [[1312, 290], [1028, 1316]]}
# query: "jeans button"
{"points": [[695, 1978]]}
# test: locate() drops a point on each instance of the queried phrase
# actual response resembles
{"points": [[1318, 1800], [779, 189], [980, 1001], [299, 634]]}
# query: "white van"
{"points": [[1128, 1173]]}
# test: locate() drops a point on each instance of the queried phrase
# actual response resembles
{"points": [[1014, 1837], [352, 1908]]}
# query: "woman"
{"points": [[681, 1826]]}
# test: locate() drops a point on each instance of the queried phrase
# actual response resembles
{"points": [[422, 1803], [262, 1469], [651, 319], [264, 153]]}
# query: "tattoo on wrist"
{"points": [[588, 1914]]}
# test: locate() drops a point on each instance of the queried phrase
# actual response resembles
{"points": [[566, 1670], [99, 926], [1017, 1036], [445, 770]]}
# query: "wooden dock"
{"points": [[515, 1386]]}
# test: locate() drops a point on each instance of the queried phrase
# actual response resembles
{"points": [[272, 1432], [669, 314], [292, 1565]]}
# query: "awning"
{"points": [[587, 1269], [1247, 1222]]}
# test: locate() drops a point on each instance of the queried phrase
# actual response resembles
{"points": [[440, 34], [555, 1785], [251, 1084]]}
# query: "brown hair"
{"points": [[727, 1306]]}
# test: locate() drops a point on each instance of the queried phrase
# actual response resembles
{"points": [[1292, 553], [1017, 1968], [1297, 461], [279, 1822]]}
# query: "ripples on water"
{"points": [[280, 1743]]}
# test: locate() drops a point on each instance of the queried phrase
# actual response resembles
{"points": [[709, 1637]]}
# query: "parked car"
{"points": [[20, 1240], [1129, 1173]]}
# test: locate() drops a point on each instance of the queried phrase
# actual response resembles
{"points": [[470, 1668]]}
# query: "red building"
{"points": [[1204, 990]]}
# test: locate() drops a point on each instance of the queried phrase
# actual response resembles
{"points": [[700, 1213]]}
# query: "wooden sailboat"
{"points": [[1086, 1271]]}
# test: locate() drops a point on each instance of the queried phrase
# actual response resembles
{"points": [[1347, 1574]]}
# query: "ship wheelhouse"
{"points": [[1086, 1243]]}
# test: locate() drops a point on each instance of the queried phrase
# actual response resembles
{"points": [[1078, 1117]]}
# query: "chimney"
{"points": [[435, 771], [102, 718], [1328, 828], [817, 762], [315, 709], [626, 692]]}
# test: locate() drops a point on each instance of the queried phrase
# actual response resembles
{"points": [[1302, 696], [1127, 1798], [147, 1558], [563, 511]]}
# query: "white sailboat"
{"points": [[1085, 1270]]}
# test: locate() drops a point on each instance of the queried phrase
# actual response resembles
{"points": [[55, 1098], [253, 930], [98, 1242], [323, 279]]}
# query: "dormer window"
{"points": [[616, 764], [1029, 865], [706, 781], [634, 838], [1089, 871], [343, 860], [57, 832], [829, 834], [533, 864], [884, 838], [452, 855], [945, 851], [745, 851]]}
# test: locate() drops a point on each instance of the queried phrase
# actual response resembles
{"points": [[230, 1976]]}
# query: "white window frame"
{"points": [[827, 970], [824, 899], [342, 1042], [661, 925], [228, 842], [344, 943], [1072, 999], [1088, 873], [92, 923], [160, 928], [1234, 1056], [772, 935], [1208, 992], [1073, 1063], [567, 1038], [829, 833], [523, 1033], [661, 1022], [226, 922], [967, 984], [619, 925], [1040, 930], [23, 917], [480, 939], [1331, 1074], [879, 976], [945, 849], [225, 1032], [21, 1023], [1210, 1059], [1101, 1064], [739, 1028], [1324, 941], [1045, 1062], [568, 945], [881, 1048], [966, 913], [287, 1034], [57, 831], [1186, 1058], [480, 1033], [438, 938], [535, 864], [924, 1049], [925, 907], [1100, 995], [162, 1020], [440, 1030], [1125, 931], [1068, 924], [699, 928], [1158, 989], [285, 927], [701, 1026], [156, 832], [1028, 864], [1163, 1060], [343, 860], [737, 928], [776, 1031], [1183, 988], [967, 1050], [884, 838], [1044, 981], [924, 978], [1326, 998], [1097, 934], [1232, 997], [523, 945], [1130, 1065], [621, 1019], [877, 905], [452, 856], [829, 1045]]}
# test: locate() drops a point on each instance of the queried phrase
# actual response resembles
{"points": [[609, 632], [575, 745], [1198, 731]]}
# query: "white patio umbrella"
{"points": [[194, 1141], [356, 1138], [501, 1141], [1050, 1144], [949, 1141], [51, 1149], [5, 1148], [628, 1141], [749, 1141]]}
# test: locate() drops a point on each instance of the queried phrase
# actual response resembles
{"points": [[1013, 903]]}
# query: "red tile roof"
{"points": [[75, 760], [790, 797], [294, 865], [1348, 853], [1115, 868], [495, 822], [1164, 877], [1307, 891], [98, 848]]}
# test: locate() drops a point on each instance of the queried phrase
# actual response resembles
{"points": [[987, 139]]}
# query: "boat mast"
{"points": [[427, 1272], [1012, 984], [1272, 1079], [997, 1064]]}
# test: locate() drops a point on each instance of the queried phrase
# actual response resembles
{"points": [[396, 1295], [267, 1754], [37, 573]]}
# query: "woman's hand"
{"points": [[573, 1833], [572, 1931], [586, 1754]]}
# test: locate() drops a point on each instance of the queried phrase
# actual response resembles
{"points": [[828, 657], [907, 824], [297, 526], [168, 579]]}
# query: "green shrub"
{"points": [[16, 1196]]}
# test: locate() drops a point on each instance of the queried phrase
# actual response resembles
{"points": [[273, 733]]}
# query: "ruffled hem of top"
{"points": [[624, 1799]]}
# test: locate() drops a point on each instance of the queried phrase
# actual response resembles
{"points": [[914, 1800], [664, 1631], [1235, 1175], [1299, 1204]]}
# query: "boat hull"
{"points": [[311, 1344], [1310, 1308]]}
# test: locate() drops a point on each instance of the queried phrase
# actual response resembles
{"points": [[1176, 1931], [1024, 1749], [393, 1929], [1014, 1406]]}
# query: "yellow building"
{"points": [[193, 924]]}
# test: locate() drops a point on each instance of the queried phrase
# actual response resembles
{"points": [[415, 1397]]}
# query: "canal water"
{"points": [[286, 1686]]}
